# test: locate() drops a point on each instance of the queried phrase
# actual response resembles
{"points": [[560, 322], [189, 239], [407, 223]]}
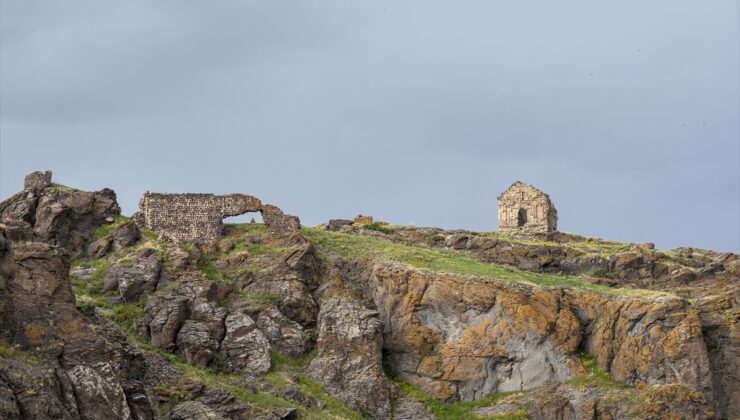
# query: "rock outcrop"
{"points": [[463, 338], [58, 216], [95, 373], [349, 360], [99, 319]]}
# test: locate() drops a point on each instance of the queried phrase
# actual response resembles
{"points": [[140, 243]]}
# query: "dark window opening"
{"points": [[521, 218]]}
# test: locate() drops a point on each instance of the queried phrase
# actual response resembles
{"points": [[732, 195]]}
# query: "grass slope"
{"points": [[450, 261]]}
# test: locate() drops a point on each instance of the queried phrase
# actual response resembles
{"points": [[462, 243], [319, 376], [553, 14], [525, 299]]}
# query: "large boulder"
{"points": [[294, 297], [287, 337], [163, 319], [195, 343], [125, 235], [135, 276], [245, 348]]}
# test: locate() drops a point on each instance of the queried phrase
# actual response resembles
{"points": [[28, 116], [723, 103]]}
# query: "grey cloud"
{"points": [[627, 114]]}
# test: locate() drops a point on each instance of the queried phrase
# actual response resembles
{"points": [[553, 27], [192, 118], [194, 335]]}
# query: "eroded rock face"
{"points": [[287, 337], [294, 296], [195, 344], [30, 390], [87, 372], [722, 338], [563, 401], [134, 277], [408, 409], [657, 341], [245, 348], [349, 359], [50, 214], [123, 236], [164, 317], [193, 410], [463, 338]]}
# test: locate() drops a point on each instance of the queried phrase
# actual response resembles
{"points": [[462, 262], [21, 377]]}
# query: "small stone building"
{"points": [[524, 207]]}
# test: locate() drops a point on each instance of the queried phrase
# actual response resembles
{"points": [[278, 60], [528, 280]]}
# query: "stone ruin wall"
{"points": [[199, 217], [541, 213], [37, 181]]}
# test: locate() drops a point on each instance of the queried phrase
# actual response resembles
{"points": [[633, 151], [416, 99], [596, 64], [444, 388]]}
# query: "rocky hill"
{"points": [[102, 319]]}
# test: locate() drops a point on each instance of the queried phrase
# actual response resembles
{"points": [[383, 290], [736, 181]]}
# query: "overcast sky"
{"points": [[627, 113]]}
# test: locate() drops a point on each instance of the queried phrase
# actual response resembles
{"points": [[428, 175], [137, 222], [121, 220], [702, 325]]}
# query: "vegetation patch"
{"points": [[596, 377], [16, 352], [449, 411], [126, 314], [456, 410], [244, 229], [108, 228], [378, 227], [282, 365]]}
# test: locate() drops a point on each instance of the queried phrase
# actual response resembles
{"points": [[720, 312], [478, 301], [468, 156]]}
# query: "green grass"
{"points": [[209, 270], [107, 229], [378, 227], [456, 410], [55, 186], [283, 364], [587, 245], [242, 229], [596, 377], [16, 352], [89, 297], [88, 291], [126, 314], [451, 261], [449, 411], [213, 376], [239, 235]]}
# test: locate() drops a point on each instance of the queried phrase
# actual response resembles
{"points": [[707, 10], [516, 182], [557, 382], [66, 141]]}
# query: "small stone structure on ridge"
{"points": [[37, 181], [361, 220], [199, 217], [524, 207]]}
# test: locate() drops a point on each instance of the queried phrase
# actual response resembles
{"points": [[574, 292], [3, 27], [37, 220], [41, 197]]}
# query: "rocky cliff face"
{"points": [[464, 338], [101, 319]]}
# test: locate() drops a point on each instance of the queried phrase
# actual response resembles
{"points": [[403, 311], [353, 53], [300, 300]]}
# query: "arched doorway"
{"points": [[521, 218]]}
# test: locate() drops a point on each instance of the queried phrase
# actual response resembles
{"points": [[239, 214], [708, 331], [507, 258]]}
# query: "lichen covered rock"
{"points": [[349, 359]]}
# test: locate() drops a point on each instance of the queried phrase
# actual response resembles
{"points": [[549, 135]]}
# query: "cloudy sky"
{"points": [[627, 113]]}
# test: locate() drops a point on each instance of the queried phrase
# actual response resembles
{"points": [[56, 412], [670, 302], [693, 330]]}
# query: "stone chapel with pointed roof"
{"points": [[524, 207]]}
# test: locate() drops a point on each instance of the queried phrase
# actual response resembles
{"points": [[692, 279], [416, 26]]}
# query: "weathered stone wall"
{"points": [[524, 207], [278, 223], [199, 217], [37, 181]]}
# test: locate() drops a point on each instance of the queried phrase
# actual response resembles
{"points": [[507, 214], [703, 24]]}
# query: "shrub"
{"points": [[378, 227]]}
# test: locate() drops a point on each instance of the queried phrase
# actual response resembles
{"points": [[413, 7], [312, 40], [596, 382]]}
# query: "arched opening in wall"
{"points": [[521, 218], [251, 223]]}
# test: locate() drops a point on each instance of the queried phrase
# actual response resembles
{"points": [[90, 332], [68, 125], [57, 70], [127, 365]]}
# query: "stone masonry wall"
{"points": [[199, 217], [37, 181], [524, 203]]}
